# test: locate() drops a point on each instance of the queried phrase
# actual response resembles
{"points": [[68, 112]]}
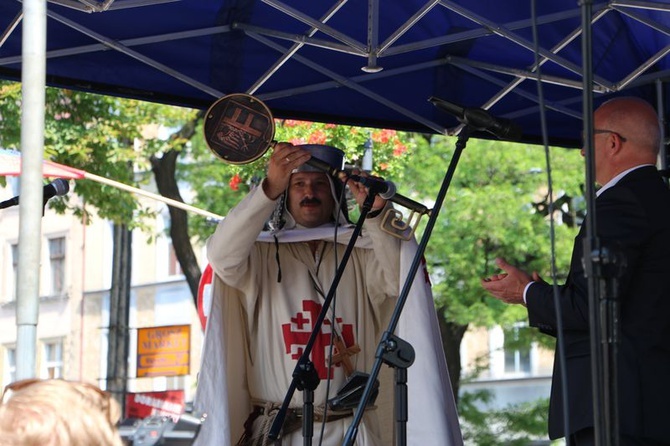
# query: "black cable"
{"points": [[341, 201], [552, 230]]}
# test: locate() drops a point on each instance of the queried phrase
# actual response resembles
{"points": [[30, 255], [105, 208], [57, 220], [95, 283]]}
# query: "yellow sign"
{"points": [[163, 351]]}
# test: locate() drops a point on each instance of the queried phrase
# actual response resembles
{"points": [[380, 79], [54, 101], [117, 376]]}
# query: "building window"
{"points": [[15, 271], [15, 184], [53, 359], [517, 350], [10, 361], [57, 265], [174, 268]]}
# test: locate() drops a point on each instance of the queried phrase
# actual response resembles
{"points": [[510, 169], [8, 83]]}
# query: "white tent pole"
{"points": [[33, 80], [662, 152], [169, 201]]}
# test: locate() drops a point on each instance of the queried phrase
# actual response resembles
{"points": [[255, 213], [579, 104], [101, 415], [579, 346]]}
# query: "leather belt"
{"points": [[331, 415]]}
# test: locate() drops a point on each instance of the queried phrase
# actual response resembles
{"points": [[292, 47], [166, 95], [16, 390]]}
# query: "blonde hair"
{"points": [[58, 413]]}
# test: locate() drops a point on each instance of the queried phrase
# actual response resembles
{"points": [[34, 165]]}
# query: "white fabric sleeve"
{"points": [[229, 247], [386, 249]]}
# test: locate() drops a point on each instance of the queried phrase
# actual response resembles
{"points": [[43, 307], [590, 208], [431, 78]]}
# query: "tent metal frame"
{"points": [[373, 51]]}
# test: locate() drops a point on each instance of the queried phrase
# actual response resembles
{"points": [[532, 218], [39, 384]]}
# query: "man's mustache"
{"points": [[309, 201]]}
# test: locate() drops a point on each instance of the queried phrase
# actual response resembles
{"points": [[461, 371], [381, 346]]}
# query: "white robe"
{"points": [[260, 322]]}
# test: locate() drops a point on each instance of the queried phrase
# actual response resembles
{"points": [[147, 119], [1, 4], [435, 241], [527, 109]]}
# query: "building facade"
{"points": [[75, 279]]}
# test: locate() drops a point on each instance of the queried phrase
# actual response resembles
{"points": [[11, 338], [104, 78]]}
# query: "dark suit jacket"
{"points": [[633, 216]]}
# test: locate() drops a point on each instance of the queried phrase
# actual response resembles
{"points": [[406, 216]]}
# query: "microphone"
{"points": [[480, 119], [57, 188], [387, 191], [383, 188]]}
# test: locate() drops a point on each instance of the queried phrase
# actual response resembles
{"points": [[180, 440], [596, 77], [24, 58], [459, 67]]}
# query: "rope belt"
{"points": [[293, 421]]}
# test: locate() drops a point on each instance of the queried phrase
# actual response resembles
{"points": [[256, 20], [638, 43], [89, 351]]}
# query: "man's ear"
{"points": [[614, 143]]}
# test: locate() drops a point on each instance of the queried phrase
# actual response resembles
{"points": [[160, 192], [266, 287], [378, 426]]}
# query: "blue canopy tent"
{"points": [[363, 63]]}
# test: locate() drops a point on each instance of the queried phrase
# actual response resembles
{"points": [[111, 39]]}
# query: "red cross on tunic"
{"points": [[297, 333]]}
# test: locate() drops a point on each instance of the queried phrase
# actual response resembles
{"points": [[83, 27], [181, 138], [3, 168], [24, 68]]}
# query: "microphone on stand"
{"points": [[385, 189], [57, 188], [480, 119]]}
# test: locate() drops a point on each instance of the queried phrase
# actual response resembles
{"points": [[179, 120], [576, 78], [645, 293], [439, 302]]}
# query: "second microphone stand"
{"points": [[392, 349]]}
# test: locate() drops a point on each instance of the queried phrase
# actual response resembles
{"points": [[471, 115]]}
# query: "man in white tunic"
{"points": [[281, 280]]}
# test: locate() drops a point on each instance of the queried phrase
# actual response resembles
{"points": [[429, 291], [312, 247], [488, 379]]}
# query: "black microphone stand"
{"points": [[391, 349], [608, 265], [601, 266], [305, 377]]}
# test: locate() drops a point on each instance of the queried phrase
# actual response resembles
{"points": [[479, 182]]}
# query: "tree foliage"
{"points": [[488, 212], [97, 134], [495, 206], [514, 425]]}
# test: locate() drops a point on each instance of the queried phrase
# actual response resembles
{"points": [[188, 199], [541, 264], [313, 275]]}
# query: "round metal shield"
{"points": [[239, 128]]}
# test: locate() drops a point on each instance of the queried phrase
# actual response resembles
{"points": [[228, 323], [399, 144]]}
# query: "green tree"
{"points": [[516, 424], [100, 134], [496, 206], [97, 134]]}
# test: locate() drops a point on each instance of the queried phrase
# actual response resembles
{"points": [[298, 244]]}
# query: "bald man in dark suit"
{"points": [[633, 216]]}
